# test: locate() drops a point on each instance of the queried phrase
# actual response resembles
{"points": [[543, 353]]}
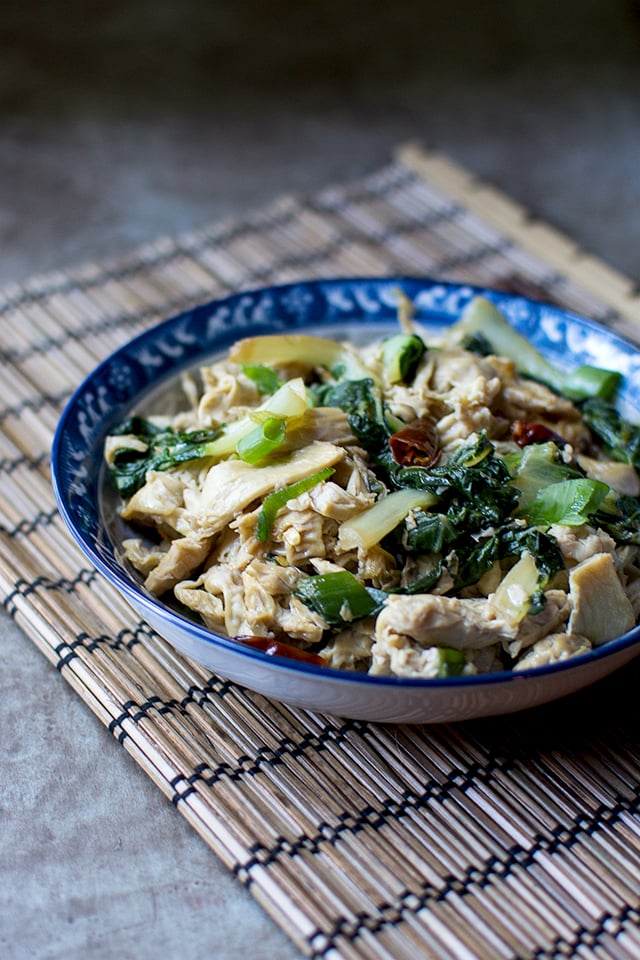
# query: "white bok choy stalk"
{"points": [[309, 351], [372, 525], [514, 594], [482, 318]]}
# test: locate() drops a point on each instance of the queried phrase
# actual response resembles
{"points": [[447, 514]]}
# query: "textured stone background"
{"points": [[120, 121], [124, 120]]}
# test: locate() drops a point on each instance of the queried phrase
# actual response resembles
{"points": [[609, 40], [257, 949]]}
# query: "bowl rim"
{"points": [[139, 597]]}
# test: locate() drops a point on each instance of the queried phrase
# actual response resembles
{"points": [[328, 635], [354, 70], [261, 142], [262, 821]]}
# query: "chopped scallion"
{"points": [[262, 440], [452, 662], [587, 381], [276, 500], [287, 403]]}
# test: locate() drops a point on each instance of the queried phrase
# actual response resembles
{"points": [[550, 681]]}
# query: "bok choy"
{"points": [[481, 318], [339, 597]]}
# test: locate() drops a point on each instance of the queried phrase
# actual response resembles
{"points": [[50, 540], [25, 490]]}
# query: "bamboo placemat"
{"points": [[501, 838]]}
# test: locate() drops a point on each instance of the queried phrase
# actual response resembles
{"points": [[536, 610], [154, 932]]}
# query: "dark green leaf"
{"points": [[570, 502], [165, 448], [265, 379], [339, 597], [508, 541], [620, 438], [624, 525], [427, 532]]}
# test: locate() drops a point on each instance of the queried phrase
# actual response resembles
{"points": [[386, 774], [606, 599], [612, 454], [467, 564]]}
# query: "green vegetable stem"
{"points": [[262, 440], [482, 319], [401, 355], [276, 500]]}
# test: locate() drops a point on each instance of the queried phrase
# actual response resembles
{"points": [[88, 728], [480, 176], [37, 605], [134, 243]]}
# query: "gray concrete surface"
{"points": [[122, 121]]}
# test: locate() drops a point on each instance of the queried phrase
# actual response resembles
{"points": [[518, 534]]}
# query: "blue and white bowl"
{"points": [[144, 376]]}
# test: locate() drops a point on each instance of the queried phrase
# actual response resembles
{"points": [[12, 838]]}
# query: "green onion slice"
{"points": [[373, 524], [452, 662], [287, 403], [262, 440], [276, 500]]}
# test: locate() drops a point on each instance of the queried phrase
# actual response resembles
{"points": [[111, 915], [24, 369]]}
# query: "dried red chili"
{"points": [[417, 444], [276, 648], [525, 433]]}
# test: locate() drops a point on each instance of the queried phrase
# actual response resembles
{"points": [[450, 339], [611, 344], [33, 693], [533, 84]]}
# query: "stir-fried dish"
{"points": [[421, 507]]}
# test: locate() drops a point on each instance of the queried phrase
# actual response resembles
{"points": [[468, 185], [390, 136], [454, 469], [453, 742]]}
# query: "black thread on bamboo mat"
{"points": [[246, 765], [548, 289], [105, 325], [125, 639], [26, 527], [609, 925], [152, 703], [531, 289], [22, 588], [312, 258], [199, 694], [118, 721], [382, 238], [217, 238], [495, 866], [180, 793], [142, 710], [481, 252], [369, 817], [341, 240], [383, 235], [195, 694], [106, 274], [35, 404], [66, 651], [517, 856], [184, 248], [302, 261], [64, 657], [391, 180], [10, 465], [346, 236]]}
